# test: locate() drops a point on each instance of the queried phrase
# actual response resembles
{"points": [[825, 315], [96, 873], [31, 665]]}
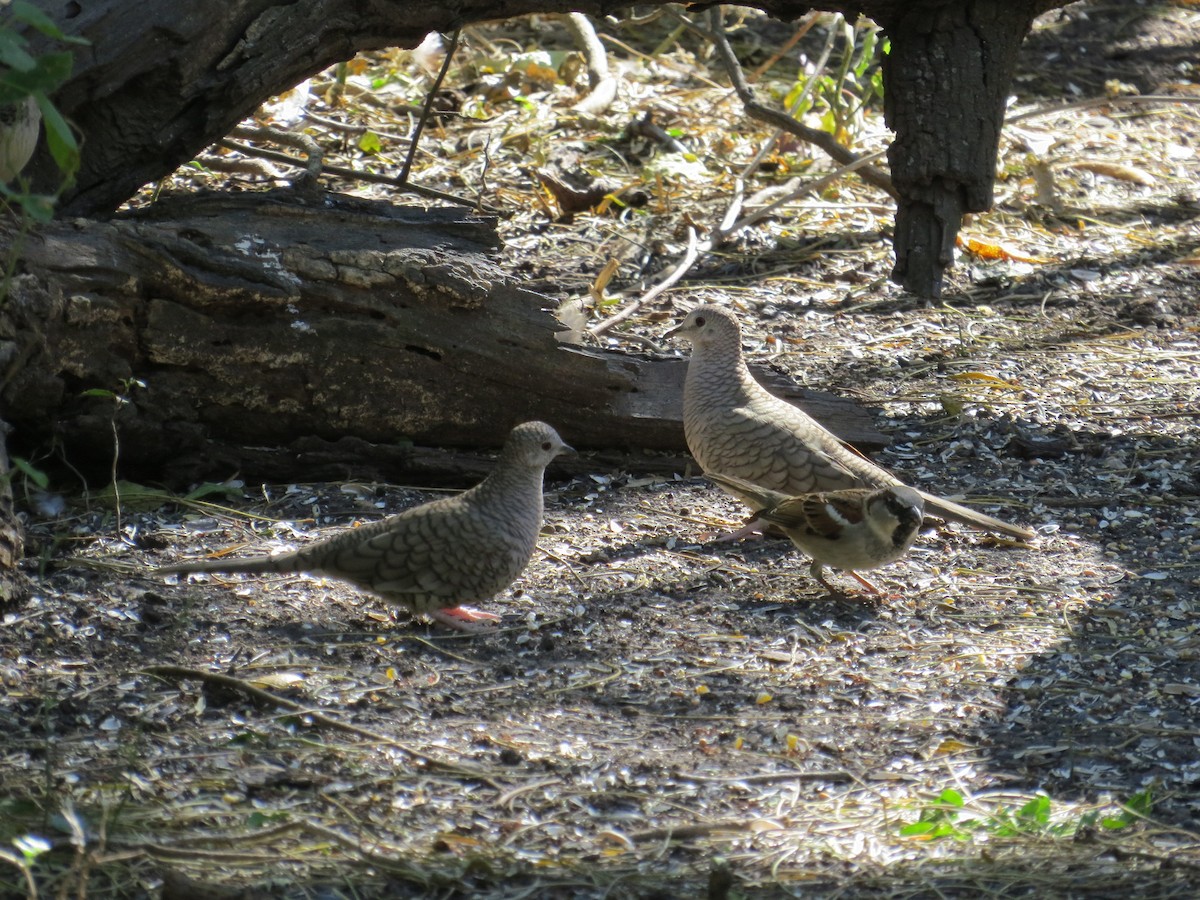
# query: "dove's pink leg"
{"points": [[464, 618]]}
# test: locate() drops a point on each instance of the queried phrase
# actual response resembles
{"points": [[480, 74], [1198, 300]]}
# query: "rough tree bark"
{"points": [[947, 81], [291, 337], [162, 79]]}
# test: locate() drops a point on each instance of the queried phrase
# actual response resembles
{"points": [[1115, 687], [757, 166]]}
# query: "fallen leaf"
{"points": [[1115, 170], [989, 250], [992, 380]]}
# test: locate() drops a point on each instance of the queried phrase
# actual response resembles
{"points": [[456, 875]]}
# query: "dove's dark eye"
{"points": [[546, 445], [699, 321]]}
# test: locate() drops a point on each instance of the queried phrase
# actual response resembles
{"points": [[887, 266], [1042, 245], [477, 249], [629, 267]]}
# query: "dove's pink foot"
{"points": [[465, 618]]}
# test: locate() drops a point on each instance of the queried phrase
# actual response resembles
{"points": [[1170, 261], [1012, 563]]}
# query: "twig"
{"points": [[350, 128], [810, 187], [429, 98], [779, 118], [369, 177], [806, 24], [506, 799], [320, 718], [1164, 860], [567, 563], [689, 257], [314, 155], [1099, 101], [730, 219], [772, 777], [603, 84]]}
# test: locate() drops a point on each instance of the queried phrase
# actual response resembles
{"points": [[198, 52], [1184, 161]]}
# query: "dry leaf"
{"points": [[950, 745], [276, 680], [984, 378], [601, 283], [1115, 170], [989, 250]]}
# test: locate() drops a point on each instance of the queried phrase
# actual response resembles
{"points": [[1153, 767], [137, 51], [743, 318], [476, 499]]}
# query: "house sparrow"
{"points": [[857, 528]]}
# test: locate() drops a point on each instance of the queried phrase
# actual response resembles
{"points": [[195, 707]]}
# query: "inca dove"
{"points": [[858, 528], [735, 427], [436, 557], [18, 136]]}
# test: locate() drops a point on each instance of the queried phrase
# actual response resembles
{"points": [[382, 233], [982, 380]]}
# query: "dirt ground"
{"points": [[665, 717]]}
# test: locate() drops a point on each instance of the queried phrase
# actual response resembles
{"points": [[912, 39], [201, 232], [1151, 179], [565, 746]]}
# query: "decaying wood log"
{"points": [[286, 336]]}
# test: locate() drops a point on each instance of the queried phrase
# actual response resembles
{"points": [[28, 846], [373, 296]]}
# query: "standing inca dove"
{"points": [[735, 427], [18, 136], [436, 557], [858, 528]]}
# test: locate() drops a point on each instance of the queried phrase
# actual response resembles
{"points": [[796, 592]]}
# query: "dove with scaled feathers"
{"points": [[435, 558], [734, 426]]}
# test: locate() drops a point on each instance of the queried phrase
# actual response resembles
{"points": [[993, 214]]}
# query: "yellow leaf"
{"points": [[989, 250], [762, 698], [984, 378], [950, 745], [1115, 170]]}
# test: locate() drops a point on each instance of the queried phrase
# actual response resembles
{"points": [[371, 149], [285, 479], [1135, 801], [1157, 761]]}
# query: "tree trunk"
{"points": [[947, 80], [161, 80], [288, 337]]}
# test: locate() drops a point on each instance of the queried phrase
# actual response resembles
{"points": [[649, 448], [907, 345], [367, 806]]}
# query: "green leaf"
{"points": [[13, 53], [133, 496], [951, 797], [99, 392], [261, 819], [370, 143], [59, 137], [37, 476], [917, 829], [31, 15], [1035, 811], [48, 72], [39, 207], [1140, 803]]}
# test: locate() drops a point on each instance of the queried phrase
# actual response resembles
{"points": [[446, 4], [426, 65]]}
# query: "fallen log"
{"points": [[287, 336]]}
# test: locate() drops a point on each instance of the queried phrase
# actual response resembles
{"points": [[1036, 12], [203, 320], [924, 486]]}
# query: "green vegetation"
{"points": [[947, 818]]}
